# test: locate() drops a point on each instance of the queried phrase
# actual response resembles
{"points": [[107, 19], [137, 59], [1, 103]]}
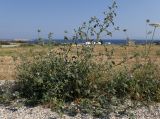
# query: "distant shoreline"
{"points": [[104, 41]]}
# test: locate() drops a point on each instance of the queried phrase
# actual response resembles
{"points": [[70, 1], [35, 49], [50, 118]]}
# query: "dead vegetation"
{"points": [[9, 56]]}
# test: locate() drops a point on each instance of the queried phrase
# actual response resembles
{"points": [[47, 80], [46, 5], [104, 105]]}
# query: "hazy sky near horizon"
{"points": [[22, 18]]}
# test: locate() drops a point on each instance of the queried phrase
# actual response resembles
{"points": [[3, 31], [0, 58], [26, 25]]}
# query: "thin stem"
{"points": [[146, 40], [150, 44]]}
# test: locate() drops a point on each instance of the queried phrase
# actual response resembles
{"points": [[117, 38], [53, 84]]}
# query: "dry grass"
{"points": [[7, 62], [7, 68]]}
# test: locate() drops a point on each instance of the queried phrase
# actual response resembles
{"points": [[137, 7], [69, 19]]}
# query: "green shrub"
{"points": [[53, 76], [118, 86], [148, 78], [142, 85]]}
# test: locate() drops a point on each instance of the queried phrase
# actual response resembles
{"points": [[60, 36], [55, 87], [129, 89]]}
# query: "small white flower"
{"points": [[38, 73]]}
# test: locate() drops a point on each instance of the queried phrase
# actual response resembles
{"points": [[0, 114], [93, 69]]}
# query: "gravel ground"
{"points": [[34, 113], [151, 112]]}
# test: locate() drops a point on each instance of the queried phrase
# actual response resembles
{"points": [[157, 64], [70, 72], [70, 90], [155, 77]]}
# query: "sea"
{"points": [[104, 41]]}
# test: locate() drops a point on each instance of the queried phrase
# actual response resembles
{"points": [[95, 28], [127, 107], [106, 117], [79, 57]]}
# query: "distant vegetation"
{"points": [[4, 43]]}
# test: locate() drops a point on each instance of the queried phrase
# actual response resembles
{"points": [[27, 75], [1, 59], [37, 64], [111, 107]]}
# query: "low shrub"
{"points": [[53, 76], [142, 85]]}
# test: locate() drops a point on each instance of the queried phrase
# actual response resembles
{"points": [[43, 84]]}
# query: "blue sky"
{"points": [[22, 18]]}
